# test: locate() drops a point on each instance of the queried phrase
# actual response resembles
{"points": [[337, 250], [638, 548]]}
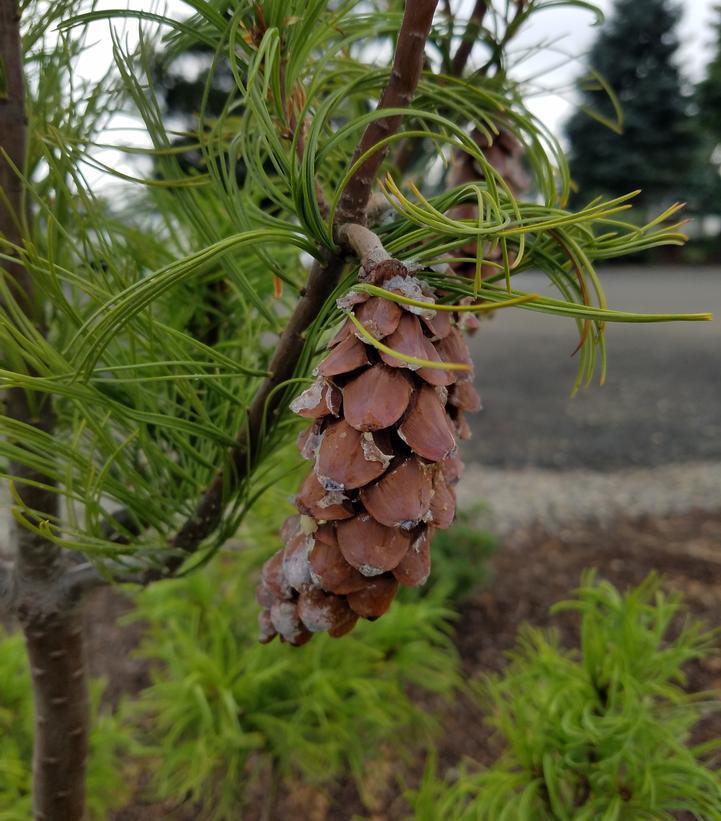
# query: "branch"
{"points": [[323, 278], [406, 71], [473, 28], [410, 149]]}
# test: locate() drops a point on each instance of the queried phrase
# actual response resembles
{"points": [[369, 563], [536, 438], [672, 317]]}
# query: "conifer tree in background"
{"points": [[708, 101], [655, 147], [708, 95], [144, 408]]}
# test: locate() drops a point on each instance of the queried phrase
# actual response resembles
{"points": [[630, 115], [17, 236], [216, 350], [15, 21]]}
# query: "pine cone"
{"points": [[505, 154], [383, 444]]}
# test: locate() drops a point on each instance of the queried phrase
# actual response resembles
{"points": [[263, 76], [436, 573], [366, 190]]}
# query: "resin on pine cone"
{"points": [[383, 446]]}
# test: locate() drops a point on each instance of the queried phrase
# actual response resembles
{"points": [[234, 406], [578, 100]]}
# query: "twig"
{"points": [[406, 71], [7, 588], [365, 244], [473, 28], [508, 35], [410, 149]]}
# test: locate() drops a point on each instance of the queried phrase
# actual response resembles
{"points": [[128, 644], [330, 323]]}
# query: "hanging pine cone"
{"points": [[383, 444], [505, 153]]}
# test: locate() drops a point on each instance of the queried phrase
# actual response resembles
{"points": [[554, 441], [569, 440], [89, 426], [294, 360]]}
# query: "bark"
{"points": [[470, 36], [406, 71], [35, 592], [55, 650]]}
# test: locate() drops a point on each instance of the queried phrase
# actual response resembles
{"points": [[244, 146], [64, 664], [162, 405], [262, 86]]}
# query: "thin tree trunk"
{"points": [[37, 596]]}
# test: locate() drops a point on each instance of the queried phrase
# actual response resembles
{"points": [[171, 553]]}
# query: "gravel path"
{"points": [[512, 500]]}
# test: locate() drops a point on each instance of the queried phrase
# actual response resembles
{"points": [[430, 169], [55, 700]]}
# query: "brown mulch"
{"points": [[530, 574]]}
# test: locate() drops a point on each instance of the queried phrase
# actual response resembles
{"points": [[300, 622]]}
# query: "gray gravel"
{"points": [[512, 500]]}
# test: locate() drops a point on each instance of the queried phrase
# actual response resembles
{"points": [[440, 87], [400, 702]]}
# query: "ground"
{"points": [[532, 572]]}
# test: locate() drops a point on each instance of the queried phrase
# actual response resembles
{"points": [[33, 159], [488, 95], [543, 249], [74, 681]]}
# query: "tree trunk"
{"points": [[55, 650], [36, 594]]}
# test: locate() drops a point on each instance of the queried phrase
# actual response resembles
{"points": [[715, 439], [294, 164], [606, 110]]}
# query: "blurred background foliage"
{"points": [[640, 118], [227, 719]]}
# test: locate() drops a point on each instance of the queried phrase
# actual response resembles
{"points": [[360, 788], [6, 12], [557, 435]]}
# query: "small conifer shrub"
{"points": [[598, 732]]}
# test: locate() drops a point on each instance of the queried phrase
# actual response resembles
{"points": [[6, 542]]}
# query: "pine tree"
{"points": [[708, 101], [144, 406], [634, 56], [708, 94]]}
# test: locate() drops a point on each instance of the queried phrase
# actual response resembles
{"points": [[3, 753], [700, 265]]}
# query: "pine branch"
{"points": [[475, 21], [52, 628], [406, 71], [323, 278], [410, 149]]}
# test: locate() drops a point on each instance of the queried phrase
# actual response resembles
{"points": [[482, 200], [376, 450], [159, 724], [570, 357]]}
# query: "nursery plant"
{"points": [[155, 334], [600, 731]]}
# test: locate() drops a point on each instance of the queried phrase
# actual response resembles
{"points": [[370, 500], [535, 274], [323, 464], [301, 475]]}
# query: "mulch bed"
{"points": [[531, 573]]}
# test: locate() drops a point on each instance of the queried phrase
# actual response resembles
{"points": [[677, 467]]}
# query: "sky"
{"points": [[574, 33], [567, 33]]}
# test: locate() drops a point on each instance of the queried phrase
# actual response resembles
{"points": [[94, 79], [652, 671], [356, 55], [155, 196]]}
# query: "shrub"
{"points": [[598, 734], [227, 712]]}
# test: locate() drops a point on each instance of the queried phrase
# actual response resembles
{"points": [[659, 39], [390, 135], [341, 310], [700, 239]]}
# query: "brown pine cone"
{"points": [[505, 154], [383, 446]]}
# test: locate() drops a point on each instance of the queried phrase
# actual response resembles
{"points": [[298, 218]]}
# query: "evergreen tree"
{"points": [[708, 101], [709, 90], [634, 55]]}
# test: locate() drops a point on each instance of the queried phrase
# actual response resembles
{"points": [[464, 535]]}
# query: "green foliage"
{"points": [[110, 744], [634, 54], [161, 293], [708, 100], [227, 712], [596, 734]]}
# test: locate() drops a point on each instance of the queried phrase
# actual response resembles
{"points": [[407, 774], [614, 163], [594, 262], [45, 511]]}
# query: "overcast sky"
{"points": [[567, 34], [576, 30]]}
